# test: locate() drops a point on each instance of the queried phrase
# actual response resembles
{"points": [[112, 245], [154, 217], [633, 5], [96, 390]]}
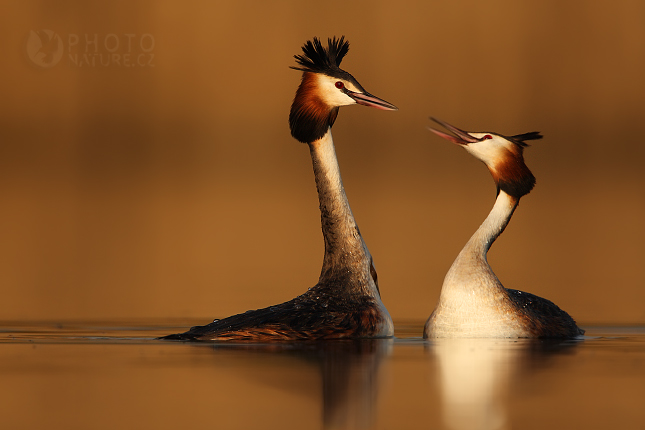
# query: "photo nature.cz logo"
{"points": [[45, 49]]}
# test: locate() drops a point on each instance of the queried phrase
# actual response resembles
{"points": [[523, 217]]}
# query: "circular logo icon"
{"points": [[44, 48]]}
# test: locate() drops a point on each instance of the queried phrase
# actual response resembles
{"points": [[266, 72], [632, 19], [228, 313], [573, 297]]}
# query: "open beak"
{"points": [[460, 138], [366, 99]]}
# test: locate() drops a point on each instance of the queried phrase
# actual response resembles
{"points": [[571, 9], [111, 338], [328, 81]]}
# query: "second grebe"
{"points": [[346, 301], [473, 302]]}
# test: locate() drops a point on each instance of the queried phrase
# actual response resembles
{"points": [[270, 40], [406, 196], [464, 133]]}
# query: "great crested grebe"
{"points": [[473, 303], [346, 301]]}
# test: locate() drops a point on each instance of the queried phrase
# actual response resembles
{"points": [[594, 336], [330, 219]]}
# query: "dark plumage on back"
{"points": [[308, 316]]}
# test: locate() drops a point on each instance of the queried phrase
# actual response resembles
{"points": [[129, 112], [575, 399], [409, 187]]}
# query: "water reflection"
{"points": [[349, 371], [475, 376]]}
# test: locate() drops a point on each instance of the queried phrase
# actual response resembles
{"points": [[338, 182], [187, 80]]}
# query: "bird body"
{"points": [[346, 301], [473, 302]]}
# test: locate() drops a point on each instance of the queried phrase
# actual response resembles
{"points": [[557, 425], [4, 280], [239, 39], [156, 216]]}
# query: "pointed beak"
{"points": [[460, 138], [366, 99]]}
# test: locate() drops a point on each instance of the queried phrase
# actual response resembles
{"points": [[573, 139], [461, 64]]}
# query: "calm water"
{"points": [[115, 375]]}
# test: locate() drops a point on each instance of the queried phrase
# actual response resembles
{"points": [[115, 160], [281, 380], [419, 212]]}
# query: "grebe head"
{"points": [[324, 88], [503, 155]]}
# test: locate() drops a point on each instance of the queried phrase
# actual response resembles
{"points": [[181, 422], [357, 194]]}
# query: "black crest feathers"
{"points": [[317, 59], [520, 138]]}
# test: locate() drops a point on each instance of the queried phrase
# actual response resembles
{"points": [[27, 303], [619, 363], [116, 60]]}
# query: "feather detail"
{"points": [[512, 176], [317, 59], [310, 117], [310, 316], [520, 138]]}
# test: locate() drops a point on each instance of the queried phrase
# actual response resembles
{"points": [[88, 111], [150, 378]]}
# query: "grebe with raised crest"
{"points": [[346, 301]]}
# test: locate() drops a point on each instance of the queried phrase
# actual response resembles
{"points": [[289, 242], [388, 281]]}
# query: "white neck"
{"points": [[470, 277], [473, 303], [492, 227]]}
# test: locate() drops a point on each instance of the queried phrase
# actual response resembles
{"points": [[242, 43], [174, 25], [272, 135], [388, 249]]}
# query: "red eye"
{"points": [[339, 85], [488, 136]]}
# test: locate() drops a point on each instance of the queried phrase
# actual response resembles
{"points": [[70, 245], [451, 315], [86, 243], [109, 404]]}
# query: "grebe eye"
{"points": [[488, 136], [340, 85]]}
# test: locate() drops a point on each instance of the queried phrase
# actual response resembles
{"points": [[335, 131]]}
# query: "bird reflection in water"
{"points": [[349, 372], [475, 376]]}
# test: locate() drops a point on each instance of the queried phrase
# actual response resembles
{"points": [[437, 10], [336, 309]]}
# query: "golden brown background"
{"points": [[173, 189]]}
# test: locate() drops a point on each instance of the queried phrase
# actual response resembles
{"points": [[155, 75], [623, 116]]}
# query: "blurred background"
{"points": [[147, 169]]}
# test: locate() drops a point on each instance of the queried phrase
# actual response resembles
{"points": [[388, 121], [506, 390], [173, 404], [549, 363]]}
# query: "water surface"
{"points": [[116, 375]]}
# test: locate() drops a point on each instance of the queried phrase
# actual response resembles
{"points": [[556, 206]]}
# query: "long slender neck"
{"points": [[493, 225], [345, 249], [471, 266]]}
